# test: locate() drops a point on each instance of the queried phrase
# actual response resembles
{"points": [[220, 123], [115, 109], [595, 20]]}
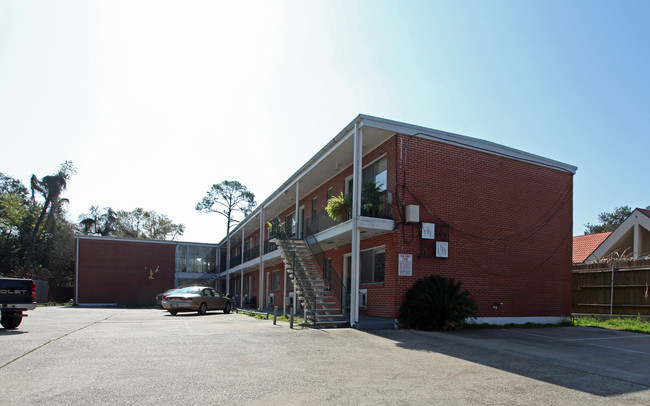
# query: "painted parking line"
{"points": [[587, 340], [618, 348]]}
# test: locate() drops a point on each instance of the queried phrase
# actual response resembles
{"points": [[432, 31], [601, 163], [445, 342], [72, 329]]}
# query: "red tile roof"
{"points": [[584, 245]]}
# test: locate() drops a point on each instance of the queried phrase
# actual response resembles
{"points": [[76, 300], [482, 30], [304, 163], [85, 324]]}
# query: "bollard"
{"points": [[275, 315], [291, 318]]}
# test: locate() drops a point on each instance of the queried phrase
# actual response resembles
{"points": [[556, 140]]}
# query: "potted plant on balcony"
{"points": [[339, 207], [371, 199], [275, 227]]}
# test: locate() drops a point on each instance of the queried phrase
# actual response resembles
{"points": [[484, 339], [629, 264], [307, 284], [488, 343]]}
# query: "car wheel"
{"points": [[203, 309], [173, 312], [226, 309], [11, 320]]}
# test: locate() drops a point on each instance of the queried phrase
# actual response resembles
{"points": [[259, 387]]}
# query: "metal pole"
{"points": [[241, 273], [611, 301], [228, 263], [291, 317], [260, 291], [299, 234]]}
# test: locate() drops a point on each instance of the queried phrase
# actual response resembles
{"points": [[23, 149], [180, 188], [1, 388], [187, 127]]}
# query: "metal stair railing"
{"points": [[309, 279]]}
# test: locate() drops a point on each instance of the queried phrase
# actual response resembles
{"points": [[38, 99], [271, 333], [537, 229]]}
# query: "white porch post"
{"points": [[298, 235], [260, 285], [638, 241], [356, 235], [241, 272], [228, 263]]}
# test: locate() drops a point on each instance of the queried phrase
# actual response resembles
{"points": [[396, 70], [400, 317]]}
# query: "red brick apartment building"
{"points": [[497, 219]]}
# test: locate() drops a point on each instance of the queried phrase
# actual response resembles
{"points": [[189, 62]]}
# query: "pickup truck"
{"points": [[16, 296]]}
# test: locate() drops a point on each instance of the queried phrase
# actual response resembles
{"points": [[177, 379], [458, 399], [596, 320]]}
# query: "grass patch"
{"points": [[634, 325], [54, 304], [296, 320], [477, 326]]}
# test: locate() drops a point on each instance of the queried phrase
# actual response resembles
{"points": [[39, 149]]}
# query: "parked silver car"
{"points": [[196, 299]]}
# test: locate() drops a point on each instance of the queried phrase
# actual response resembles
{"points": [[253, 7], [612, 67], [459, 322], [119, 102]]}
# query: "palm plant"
{"points": [[436, 303]]}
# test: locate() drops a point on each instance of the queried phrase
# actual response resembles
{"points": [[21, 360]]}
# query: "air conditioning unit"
{"points": [[412, 213], [363, 299], [298, 302]]}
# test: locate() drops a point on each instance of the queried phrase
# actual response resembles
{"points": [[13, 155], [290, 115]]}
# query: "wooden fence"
{"points": [[619, 287]]}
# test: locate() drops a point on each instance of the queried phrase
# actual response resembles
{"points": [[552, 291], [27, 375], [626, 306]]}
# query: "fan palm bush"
{"points": [[436, 303]]}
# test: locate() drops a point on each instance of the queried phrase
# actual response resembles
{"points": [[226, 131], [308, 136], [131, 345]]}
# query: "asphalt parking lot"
{"points": [[81, 356]]}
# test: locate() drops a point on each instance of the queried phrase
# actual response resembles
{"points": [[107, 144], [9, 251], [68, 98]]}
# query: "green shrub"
{"points": [[436, 303], [339, 207]]}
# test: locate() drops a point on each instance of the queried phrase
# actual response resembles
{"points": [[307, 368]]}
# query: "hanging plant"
{"points": [[339, 207]]}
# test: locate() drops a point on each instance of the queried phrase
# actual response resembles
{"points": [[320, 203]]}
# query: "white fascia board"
{"points": [[335, 231], [465, 142], [140, 240], [635, 218], [376, 223]]}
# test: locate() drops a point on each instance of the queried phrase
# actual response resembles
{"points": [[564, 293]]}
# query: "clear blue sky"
{"points": [[155, 101]]}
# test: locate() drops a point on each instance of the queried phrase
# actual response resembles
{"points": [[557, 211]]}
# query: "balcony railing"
{"points": [[252, 253]]}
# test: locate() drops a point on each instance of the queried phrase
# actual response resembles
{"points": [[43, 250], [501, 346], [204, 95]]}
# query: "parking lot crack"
{"points": [[56, 339]]}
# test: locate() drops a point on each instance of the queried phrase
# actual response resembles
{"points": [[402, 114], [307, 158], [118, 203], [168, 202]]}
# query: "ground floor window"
{"points": [[275, 280], [373, 263]]}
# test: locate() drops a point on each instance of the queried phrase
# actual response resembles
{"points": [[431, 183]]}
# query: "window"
{"points": [[314, 206], [373, 263], [196, 259], [288, 283], [376, 172], [330, 192], [275, 280], [290, 225]]}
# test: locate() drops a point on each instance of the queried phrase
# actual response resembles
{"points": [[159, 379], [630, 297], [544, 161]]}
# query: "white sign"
{"points": [[428, 231], [405, 265], [442, 249]]}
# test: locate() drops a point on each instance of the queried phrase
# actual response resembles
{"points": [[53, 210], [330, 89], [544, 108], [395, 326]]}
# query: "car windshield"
{"points": [[189, 290]]}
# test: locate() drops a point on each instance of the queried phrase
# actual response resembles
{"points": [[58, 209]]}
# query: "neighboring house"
{"points": [[125, 271], [497, 219], [631, 239], [585, 245]]}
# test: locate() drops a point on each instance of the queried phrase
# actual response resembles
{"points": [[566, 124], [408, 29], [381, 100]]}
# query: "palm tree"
{"points": [[50, 187], [436, 303]]}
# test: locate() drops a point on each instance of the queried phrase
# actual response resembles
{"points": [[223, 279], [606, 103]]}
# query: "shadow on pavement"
{"points": [[590, 361]]}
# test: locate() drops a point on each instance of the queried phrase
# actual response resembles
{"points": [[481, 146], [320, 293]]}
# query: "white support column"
{"points": [[638, 241], [241, 272], [356, 235], [260, 285], [298, 235], [228, 263]]}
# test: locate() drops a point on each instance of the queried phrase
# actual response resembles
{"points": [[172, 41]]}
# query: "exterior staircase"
{"points": [[321, 307]]}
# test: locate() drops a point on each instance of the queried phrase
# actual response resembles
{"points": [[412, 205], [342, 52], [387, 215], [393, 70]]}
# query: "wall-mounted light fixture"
{"points": [[496, 305]]}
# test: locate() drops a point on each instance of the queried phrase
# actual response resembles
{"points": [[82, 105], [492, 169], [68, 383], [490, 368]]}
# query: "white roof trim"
{"points": [[406, 129], [466, 142], [140, 240], [635, 218]]}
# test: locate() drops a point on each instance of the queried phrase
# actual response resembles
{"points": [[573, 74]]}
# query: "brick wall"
{"points": [[124, 272], [509, 228]]}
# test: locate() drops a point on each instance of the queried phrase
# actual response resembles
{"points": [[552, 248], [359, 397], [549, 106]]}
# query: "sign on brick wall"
{"points": [[405, 265]]}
